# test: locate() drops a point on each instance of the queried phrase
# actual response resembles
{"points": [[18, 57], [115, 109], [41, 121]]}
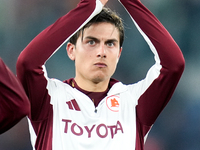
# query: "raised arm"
{"points": [[162, 78], [30, 64], [14, 104]]}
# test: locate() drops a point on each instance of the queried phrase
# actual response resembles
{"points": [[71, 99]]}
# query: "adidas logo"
{"points": [[73, 105]]}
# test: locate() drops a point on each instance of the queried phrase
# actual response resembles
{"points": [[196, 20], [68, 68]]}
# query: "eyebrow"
{"points": [[96, 39], [92, 38]]}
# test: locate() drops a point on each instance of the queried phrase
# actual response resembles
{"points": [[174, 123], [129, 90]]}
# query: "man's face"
{"points": [[96, 53]]}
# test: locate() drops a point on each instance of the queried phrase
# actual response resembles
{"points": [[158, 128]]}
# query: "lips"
{"points": [[100, 65]]}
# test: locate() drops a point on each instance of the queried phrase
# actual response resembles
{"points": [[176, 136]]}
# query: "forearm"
{"points": [[14, 104]]}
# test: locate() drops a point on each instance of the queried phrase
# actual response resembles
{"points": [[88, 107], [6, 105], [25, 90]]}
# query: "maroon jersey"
{"points": [[14, 104]]}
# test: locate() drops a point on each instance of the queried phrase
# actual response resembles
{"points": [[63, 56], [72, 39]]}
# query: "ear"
{"points": [[120, 51], [70, 51]]}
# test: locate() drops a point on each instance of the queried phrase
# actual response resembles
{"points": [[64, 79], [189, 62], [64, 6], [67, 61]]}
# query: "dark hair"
{"points": [[106, 15]]}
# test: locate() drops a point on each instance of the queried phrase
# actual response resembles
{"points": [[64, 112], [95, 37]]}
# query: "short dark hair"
{"points": [[106, 15]]}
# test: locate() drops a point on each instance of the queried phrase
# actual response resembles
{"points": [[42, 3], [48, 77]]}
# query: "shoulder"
{"points": [[58, 86]]}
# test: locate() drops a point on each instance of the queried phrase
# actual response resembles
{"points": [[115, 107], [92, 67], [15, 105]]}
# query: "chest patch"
{"points": [[113, 103]]}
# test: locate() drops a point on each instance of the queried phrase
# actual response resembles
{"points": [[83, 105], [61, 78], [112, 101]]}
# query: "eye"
{"points": [[110, 44], [91, 42]]}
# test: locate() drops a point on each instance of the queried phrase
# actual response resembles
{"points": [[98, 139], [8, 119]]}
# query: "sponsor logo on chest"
{"points": [[101, 130]]}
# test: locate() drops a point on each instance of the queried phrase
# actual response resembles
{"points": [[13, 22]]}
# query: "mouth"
{"points": [[100, 65]]}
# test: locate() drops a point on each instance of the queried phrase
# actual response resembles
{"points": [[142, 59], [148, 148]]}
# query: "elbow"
{"points": [[179, 62], [23, 109], [21, 69], [22, 63], [26, 108], [180, 65], [177, 67], [174, 68]]}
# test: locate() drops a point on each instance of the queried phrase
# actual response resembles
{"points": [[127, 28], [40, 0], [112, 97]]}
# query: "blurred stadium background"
{"points": [[177, 128]]}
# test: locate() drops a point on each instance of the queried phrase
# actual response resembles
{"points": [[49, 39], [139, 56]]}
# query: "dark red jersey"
{"points": [[14, 104]]}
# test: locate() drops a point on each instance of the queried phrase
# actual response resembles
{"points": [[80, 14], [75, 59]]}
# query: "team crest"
{"points": [[112, 103]]}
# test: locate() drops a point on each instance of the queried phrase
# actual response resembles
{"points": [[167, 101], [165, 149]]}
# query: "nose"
{"points": [[101, 51]]}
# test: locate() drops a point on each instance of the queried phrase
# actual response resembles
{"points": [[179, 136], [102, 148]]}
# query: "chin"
{"points": [[98, 79]]}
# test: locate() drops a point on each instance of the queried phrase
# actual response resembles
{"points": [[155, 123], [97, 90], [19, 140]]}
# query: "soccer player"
{"points": [[14, 104], [93, 111]]}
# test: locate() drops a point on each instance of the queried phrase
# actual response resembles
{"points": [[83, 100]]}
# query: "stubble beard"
{"points": [[97, 79]]}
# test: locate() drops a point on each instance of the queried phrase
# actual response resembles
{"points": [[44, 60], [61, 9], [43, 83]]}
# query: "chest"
{"points": [[77, 120]]}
